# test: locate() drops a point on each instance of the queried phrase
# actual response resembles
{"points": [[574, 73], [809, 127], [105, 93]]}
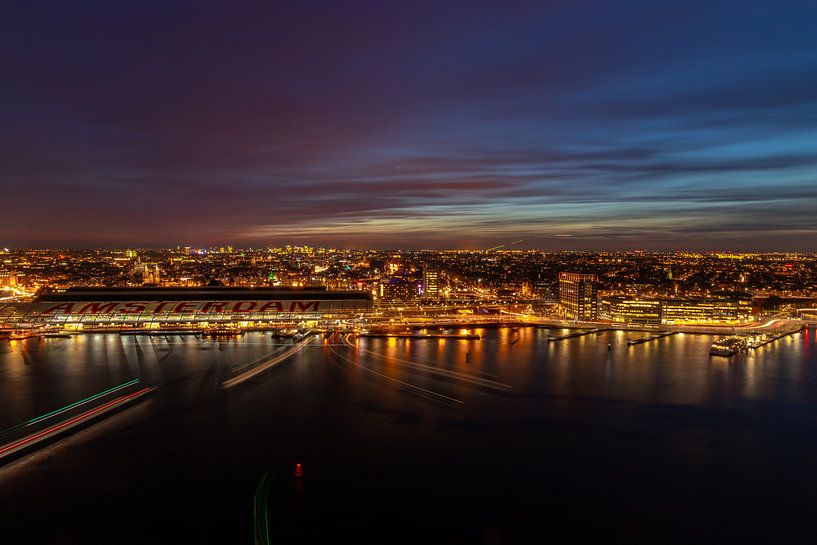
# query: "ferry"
{"points": [[728, 346]]}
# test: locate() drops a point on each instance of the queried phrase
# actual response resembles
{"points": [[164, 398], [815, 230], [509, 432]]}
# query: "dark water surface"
{"points": [[509, 439]]}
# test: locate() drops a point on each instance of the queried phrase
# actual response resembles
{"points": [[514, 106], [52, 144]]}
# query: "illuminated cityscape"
{"points": [[413, 287], [418, 272]]}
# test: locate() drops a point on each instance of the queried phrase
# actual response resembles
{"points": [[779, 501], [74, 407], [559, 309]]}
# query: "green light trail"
{"points": [[69, 407], [260, 521]]}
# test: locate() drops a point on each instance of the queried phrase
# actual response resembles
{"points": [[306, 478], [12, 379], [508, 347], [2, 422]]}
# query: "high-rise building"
{"points": [[431, 283], [578, 295]]}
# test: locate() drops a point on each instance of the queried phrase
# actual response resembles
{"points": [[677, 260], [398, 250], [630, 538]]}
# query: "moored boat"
{"points": [[728, 346], [222, 331]]}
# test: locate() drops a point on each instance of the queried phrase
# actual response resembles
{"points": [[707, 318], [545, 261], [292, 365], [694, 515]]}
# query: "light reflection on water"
{"points": [[38, 375], [584, 438]]}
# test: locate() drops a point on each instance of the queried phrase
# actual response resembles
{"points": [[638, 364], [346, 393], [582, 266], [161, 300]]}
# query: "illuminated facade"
{"points": [[675, 311], [8, 280], [398, 290], [578, 295], [78, 308], [706, 311], [630, 310], [431, 283]]}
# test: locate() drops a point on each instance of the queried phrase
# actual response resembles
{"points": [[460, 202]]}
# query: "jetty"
{"points": [[758, 342], [651, 337], [577, 334], [455, 336]]}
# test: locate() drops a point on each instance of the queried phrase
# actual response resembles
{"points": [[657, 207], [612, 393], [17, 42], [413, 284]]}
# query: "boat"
{"points": [[222, 331], [728, 346], [21, 335]]}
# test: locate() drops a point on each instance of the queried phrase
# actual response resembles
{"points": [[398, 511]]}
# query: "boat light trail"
{"points": [[75, 420], [366, 369], [69, 407], [267, 364]]}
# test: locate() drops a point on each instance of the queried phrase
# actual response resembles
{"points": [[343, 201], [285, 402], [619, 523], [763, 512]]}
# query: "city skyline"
{"points": [[443, 271], [600, 126]]}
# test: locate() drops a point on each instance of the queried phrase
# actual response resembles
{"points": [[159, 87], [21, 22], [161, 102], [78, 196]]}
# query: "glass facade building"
{"points": [[630, 310]]}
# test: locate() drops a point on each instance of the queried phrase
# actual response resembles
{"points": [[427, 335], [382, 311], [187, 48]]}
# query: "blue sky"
{"points": [[587, 125]]}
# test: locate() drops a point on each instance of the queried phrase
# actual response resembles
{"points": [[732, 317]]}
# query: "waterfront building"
{"points": [[83, 308], [630, 310], [578, 295], [724, 310], [635, 310]]}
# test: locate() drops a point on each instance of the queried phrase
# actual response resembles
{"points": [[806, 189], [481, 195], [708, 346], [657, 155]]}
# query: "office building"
{"points": [[706, 310], [630, 310], [578, 296]]}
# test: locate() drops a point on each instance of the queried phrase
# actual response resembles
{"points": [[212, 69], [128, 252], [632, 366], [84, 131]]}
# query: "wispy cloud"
{"points": [[650, 126]]}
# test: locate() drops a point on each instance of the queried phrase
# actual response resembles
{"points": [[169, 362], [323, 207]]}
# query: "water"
{"points": [[508, 439]]}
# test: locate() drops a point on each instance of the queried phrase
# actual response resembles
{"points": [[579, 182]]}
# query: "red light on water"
{"points": [[299, 471]]}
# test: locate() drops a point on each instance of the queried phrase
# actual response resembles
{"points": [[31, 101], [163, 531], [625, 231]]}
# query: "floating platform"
{"points": [[773, 338], [455, 336], [652, 337], [577, 334]]}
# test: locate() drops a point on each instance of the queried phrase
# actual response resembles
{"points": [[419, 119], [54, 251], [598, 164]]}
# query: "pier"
{"points": [[577, 334], [650, 337], [455, 336], [772, 338]]}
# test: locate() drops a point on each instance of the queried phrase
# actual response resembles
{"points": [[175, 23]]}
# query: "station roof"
{"points": [[216, 293]]}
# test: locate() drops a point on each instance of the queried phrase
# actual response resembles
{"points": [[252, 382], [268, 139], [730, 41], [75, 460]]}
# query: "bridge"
{"points": [[808, 315]]}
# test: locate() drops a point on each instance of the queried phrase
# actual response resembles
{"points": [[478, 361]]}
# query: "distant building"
{"points": [[578, 295], [146, 273], [546, 291], [395, 289], [431, 283], [8, 280]]}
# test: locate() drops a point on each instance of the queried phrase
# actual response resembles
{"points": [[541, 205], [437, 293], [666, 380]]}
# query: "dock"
{"points": [[650, 337], [157, 332], [455, 336], [773, 338], [577, 334]]}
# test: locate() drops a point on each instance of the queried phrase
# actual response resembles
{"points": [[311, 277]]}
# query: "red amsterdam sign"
{"points": [[180, 307]]}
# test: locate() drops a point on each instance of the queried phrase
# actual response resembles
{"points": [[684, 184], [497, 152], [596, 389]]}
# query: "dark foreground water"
{"points": [[504, 440]]}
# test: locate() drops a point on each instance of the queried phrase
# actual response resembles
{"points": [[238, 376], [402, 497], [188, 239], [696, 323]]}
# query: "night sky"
{"points": [[567, 124]]}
